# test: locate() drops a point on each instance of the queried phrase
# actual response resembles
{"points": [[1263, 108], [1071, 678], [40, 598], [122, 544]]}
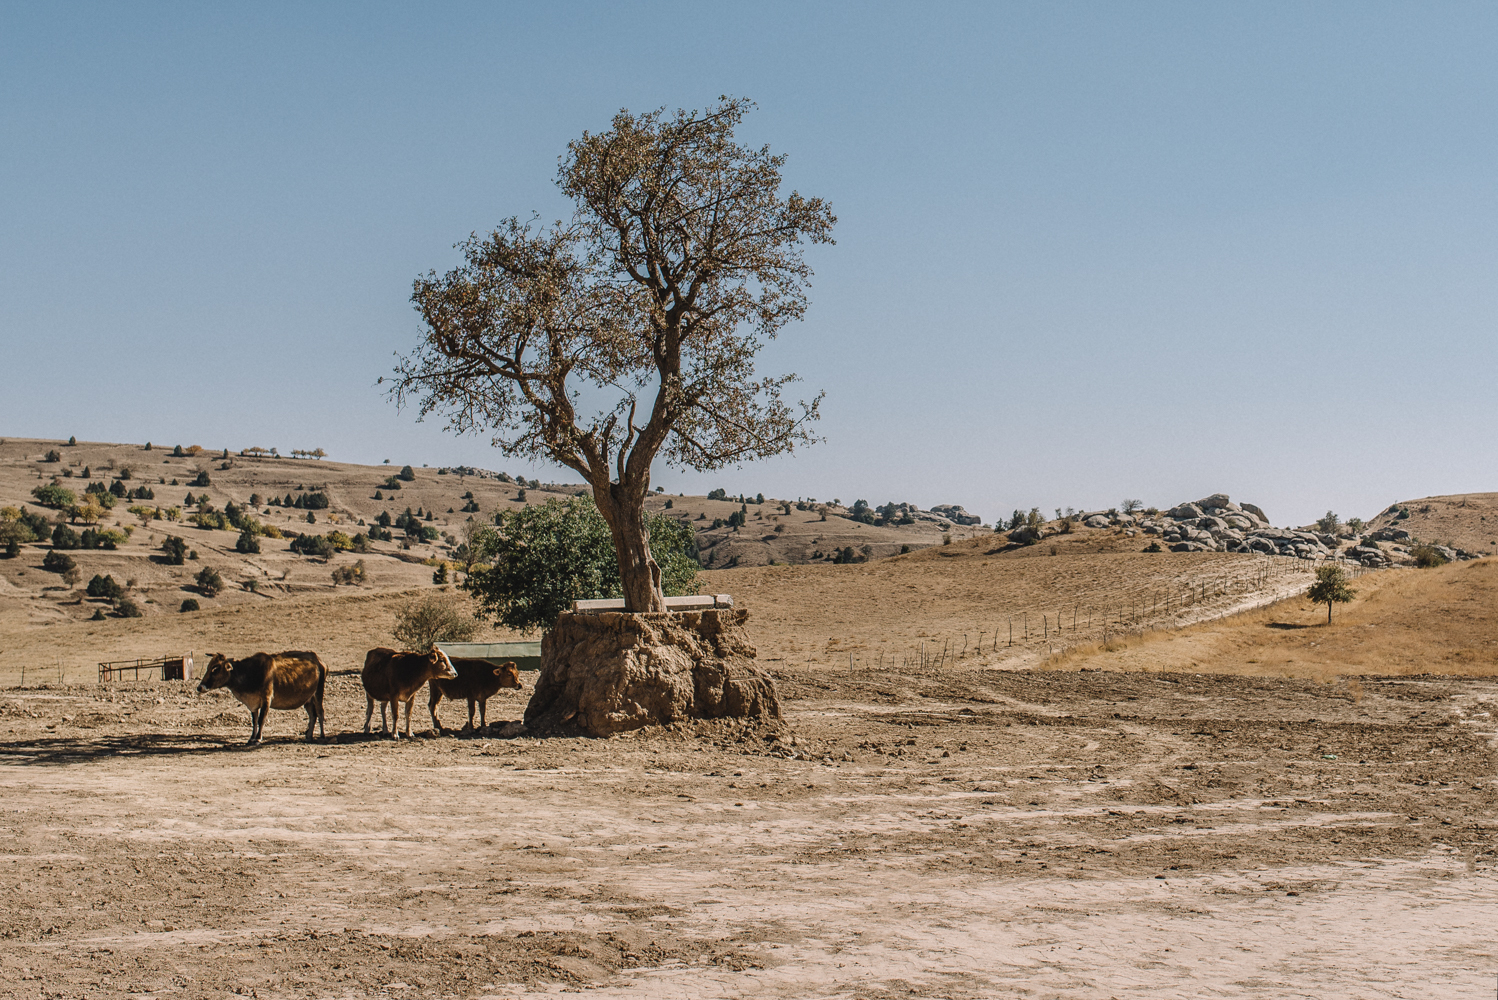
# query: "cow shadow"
{"points": [[59, 750], [1286, 625]]}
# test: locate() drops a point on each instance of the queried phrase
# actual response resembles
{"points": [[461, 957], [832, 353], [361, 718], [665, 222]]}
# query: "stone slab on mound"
{"points": [[615, 672]]}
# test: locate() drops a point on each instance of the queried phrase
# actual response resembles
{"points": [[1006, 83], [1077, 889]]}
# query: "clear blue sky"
{"points": [[1085, 252]]}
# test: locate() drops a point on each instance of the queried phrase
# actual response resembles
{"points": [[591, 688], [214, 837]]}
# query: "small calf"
{"points": [[477, 681], [393, 678]]}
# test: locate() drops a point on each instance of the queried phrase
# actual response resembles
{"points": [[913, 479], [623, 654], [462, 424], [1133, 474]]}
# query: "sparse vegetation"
{"points": [[1427, 557], [352, 576], [58, 562], [1330, 588], [422, 623], [189, 604], [105, 587], [209, 582], [175, 549]]}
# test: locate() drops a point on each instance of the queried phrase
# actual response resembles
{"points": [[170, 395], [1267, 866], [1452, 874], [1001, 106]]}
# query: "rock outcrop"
{"points": [[615, 672], [956, 513]]}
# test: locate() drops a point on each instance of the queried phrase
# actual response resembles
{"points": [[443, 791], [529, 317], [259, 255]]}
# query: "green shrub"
{"points": [[56, 497], [105, 587], [53, 456], [209, 582], [175, 549], [189, 604], [201, 479], [58, 562], [247, 544], [1153, 547], [349, 575], [1426, 557], [12, 549], [313, 545], [129, 609], [440, 576], [64, 537], [408, 474]]}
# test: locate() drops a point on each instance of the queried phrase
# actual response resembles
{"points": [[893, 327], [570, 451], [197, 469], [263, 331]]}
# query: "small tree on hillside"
{"points": [[1330, 588], [681, 259], [1328, 523]]}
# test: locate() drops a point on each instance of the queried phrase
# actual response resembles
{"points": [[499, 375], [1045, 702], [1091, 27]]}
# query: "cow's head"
{"points": [[444, 666], [217, 674], [508, 674]]}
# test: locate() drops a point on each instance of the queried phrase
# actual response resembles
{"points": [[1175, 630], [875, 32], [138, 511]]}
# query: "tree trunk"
{"points": [[1328, 612], [640, 576]]}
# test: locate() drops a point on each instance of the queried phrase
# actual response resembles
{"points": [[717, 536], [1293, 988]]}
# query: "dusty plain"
{"points": [[1219, 796]]}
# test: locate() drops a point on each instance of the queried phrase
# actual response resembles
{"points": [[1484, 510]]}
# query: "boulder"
{"points": [[1256, 512], [1242, 522], [1217, 501], [1391, 535], [956, 513], [1258, 543], [1185, 512], [1097, 521], [615, 672]]}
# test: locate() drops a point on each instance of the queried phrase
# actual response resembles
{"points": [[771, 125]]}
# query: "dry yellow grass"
{"points": [[1438, 621]]}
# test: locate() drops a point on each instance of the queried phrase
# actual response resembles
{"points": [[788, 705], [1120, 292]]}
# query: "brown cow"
{"points": [[477, 681], [394, 678], [271, 680]]}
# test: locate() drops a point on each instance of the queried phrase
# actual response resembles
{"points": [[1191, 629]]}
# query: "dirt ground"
{"points": [[974, 833]]}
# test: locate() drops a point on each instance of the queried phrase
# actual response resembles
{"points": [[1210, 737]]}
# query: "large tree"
{"points": [[630, 330]]}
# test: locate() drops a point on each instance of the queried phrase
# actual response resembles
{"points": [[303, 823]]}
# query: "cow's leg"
{"points": [[432, 702], [409, 702], [311, 719], [469, 728], [257, 732], [483, 714], [369, 710]]}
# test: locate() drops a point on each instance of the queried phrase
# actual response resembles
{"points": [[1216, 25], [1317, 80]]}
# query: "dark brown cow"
{"points": [[477, 681], [271, 680], [394, 678]]}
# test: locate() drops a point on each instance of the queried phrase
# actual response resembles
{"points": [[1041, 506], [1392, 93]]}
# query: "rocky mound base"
{"points": [[615, 672]]}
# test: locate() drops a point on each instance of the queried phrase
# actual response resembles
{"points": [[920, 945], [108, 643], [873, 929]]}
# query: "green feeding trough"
{"points": [[525, 655]]}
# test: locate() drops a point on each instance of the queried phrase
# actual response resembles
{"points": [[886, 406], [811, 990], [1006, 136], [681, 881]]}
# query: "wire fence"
{"points": [[1099, 615]]}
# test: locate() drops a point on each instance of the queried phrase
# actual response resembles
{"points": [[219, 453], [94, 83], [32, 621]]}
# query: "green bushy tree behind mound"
{"points": [[544, 557]]}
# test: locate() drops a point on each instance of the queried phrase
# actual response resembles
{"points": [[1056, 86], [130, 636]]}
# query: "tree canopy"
{"points": [[630, 330], [543, 558], [1330, 588]]}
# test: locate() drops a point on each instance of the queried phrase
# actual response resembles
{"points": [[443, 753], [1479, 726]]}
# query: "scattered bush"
{"points": [[422, 623], [65, 538], [105, 587], [189, 604], [56, 497], [209, 582], [1153, 547], [440, 576], [247, 544], [1426, 557], [12, 549], [175, 549], [97, 616], [58, 562], [201, 479], [407, 474], [53, 456], [351, 576], [127, 608], [313, 545], [72, 441]]}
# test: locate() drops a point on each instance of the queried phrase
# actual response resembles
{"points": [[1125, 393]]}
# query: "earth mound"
{"points": [[615, 672]]}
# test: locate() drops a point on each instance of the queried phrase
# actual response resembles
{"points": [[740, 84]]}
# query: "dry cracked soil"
{"points": [[972, 833]]}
